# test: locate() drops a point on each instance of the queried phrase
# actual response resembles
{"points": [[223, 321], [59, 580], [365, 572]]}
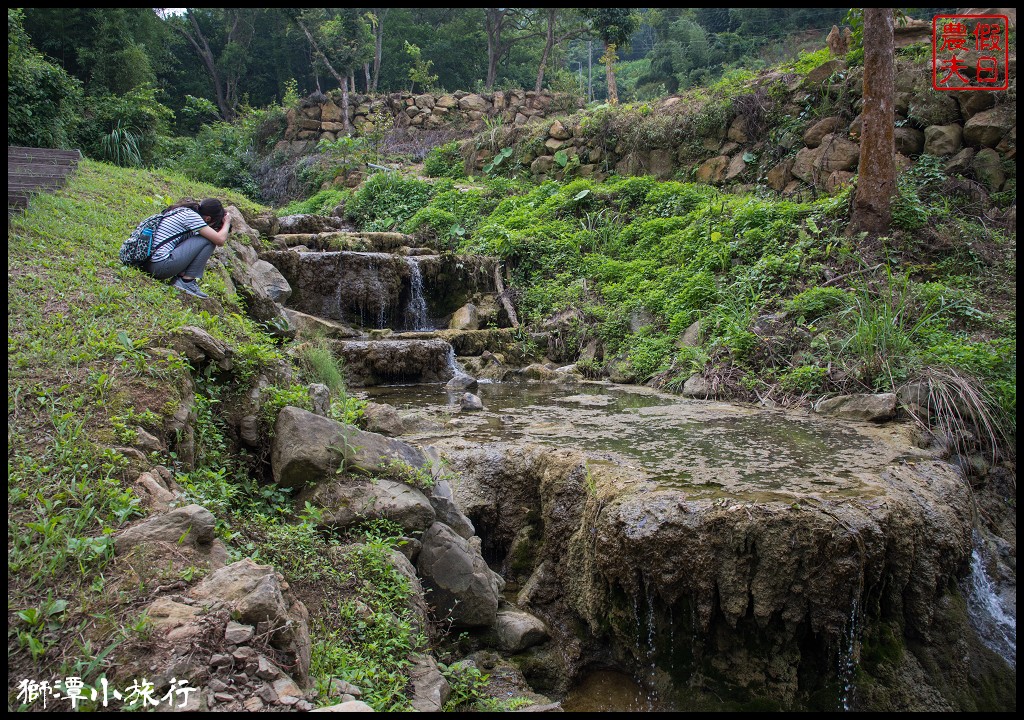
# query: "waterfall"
{"points": [[848, 660], [995, 622], [417, 308]]}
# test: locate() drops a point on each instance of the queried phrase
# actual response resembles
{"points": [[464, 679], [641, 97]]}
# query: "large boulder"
{"points": [[257, 594], [346, 502], [872, 408], [987, 128], [460, 586], [309, 448]]}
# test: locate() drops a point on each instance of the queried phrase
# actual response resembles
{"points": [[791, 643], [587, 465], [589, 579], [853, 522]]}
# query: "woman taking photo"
{"points": [[185, 239]]}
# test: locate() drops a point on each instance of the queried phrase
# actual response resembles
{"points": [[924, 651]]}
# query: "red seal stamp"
{"points": [[970, 52]]}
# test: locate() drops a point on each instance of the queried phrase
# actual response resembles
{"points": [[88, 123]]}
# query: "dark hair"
{"points": [[210, 207]]}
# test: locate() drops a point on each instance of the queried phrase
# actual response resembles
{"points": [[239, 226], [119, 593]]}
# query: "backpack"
{"points": [[138, 248]]}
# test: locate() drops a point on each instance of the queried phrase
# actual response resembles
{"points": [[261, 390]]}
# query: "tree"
{"points": [[341, 41], [378, 44], [231, 30], [876, 181], [573, 28], [505, 27], [43, 101], [614, 26]]}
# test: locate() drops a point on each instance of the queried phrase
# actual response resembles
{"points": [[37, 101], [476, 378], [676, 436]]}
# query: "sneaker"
{"points": [[190, 287]]}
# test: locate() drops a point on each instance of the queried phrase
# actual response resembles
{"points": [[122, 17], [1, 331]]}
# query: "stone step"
{"points": [[346, 240]]}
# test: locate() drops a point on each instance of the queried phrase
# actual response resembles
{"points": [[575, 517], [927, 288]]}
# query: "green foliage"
{"points": [[370, 640], [817, 302], [219, 154], [419, 72], [322, 366], [387, 201], [445, 161], [124, 129], [43, 101], [322, 203]]}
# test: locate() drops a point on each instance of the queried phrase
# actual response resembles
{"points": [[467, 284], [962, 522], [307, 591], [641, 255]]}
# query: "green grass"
{"points": [[81, 378]]}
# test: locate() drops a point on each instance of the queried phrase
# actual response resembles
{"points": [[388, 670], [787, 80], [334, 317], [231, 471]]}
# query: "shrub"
{"points": [[445, 161], [818, 302], [387, 201], [43, 101]]}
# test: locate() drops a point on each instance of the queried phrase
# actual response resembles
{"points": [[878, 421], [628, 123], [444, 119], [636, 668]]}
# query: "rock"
{"points": [[465, 318], [987, 128], [460, 586], [839, 42], [166, 614], [558, 131], [320, 399], [713, 171], [943, 140], [736, 167], [474, 103], [837, 153], [909, 141], [308, 449], [690, 336], [254, 594], [430, 690], [237, 634], [350, 706], [518, 630], [872, 408], [989, 169], [191, 525], [383, 419], [819, 75], [159, 495], [813, 135], [960, 163], [471, 402], [347, 501], [461, 382], [697, 386], [780, 175]]}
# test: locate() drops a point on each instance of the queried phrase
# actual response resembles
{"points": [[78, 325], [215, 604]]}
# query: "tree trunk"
{"points": [[366, 73], [876, 181], [548, 44], [609, 73], [494, 20], [202, 48], [344, 105], [378, 43]]}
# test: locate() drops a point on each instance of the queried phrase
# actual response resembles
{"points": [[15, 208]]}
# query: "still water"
{"points": [[710, 449]]}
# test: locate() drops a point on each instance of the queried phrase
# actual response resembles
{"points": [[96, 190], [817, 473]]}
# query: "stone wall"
{"points": [[804, 131], [322, 116]]}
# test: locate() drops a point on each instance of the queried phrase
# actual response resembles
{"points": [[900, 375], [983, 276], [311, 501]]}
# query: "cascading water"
{"points": [[416, 312], [995, 622], [848, 660]]}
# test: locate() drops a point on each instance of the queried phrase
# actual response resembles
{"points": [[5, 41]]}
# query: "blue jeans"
{"points": [[188, 259]]}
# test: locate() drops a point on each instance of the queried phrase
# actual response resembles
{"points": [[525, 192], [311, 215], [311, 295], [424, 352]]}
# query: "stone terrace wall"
{"points": [[321, 117], [975, 132]]}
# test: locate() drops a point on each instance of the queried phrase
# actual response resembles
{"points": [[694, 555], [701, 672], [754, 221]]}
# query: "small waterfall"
{"points": [[996, 624], [848, 657], [417, 308]]}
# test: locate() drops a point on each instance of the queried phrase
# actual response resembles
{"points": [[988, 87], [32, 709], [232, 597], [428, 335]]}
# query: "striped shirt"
{"points": [[181, 220]]}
